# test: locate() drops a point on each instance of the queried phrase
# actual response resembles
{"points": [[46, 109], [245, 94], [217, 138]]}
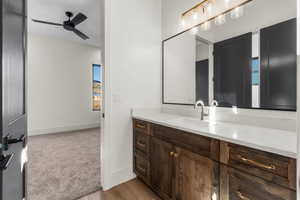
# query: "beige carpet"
{"points": [[64, 166]]}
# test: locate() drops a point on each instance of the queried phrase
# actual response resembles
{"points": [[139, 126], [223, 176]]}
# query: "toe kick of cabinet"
{"points": [[178, 165]]}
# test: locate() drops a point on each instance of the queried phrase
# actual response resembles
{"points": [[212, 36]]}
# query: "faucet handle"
{"points": [[199, 102], [214, 103]]}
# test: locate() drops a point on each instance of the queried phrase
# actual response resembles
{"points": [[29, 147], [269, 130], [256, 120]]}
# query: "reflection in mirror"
{"points": [[248, 60]]}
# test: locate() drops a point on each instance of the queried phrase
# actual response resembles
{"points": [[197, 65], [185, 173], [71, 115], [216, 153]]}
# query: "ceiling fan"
{"points": [[70, 24]]}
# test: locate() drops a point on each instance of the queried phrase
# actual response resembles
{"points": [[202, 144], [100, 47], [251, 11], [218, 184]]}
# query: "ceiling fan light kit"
{"points": [[70, 24]]}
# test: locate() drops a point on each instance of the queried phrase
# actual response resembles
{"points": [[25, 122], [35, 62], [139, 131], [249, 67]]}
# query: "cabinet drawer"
{"points": [[141, 142], [141, 167], [141, 126], [237, 185], [272, 167], [201, 145]]}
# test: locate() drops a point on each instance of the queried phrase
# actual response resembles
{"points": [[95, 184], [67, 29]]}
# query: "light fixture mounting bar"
{"points": [[196, 6], [214, 17]]}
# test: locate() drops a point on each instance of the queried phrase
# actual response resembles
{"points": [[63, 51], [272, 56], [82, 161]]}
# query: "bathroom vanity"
{"points": [[247, 63], [185, 159]]}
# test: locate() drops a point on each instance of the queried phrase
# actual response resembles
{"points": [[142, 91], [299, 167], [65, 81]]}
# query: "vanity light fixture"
{"points": [[209, 10]]}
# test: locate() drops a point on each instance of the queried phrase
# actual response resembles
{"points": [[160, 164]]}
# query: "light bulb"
{"points": [[183, 23], [195, 15], [209, 8], [206, 26], [237, 12], [227, 2], [221, 19], [194, 30], [214, 196]]}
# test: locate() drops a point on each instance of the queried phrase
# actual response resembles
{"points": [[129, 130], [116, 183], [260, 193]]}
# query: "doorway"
{"points": [[65, 92]]}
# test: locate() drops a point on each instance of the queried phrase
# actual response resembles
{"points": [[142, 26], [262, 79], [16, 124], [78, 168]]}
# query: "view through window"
{"points": [[97, 87]]}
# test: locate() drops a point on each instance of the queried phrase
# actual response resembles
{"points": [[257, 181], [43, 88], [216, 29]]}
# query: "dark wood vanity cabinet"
{"points": [[183, 166], [195, 177], [274, 168], [237, 185], [161, 160]]}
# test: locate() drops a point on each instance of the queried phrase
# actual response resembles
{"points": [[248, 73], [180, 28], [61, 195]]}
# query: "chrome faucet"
{"points": [[200, 103]]}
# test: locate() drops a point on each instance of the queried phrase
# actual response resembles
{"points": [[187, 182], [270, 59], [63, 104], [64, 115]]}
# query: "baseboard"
{"points": [[120, 177], [62, 129]]}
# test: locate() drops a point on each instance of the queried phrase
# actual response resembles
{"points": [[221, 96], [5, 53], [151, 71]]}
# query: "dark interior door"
{"points": [[202, 81], [279, 66], [232, 71], [13, 133]]}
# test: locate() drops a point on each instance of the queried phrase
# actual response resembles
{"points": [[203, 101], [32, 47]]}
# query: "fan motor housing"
{"points": [[69, 26]]}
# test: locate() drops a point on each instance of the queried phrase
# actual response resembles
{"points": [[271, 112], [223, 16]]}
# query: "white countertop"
{"points": [[266, 139]]}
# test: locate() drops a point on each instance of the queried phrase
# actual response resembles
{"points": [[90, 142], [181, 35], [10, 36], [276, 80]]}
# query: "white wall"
{"points": [[133, 79], [179, 69], [202, 51], [60, 85]]}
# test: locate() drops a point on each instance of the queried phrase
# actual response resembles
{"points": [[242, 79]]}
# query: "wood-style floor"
{"points": [[132, 190]]}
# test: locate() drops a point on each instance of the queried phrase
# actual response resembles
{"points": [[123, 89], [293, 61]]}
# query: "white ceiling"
{"points": [[54, 10], [257, 14]]}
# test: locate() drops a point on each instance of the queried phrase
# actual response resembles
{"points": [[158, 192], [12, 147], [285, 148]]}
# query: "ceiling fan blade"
{"points": [[80, 34], [78, 18], [44, 22]]}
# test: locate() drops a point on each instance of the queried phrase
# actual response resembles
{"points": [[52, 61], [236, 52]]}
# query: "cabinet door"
{"points": [[196, 177], [161, 163], [237, 185]]}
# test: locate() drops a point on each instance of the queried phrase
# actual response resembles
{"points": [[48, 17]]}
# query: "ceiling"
{"points": [[257, 14], [54, 11]]}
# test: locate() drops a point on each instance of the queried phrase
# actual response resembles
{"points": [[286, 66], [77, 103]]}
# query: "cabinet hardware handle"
{"points": [[141, 144], [241, 196], [141, 169], [270, 167], [141, 126], [172, 153]]}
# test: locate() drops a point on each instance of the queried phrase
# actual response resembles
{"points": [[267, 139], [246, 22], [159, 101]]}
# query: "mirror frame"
{"points": [[186, 104]]}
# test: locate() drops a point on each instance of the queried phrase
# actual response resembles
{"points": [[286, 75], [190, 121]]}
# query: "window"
{"points": [[97, 87], [255, 74], [255, 71]]}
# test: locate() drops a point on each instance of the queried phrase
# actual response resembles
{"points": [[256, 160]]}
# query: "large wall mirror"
{"points": [[249, 62]]}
